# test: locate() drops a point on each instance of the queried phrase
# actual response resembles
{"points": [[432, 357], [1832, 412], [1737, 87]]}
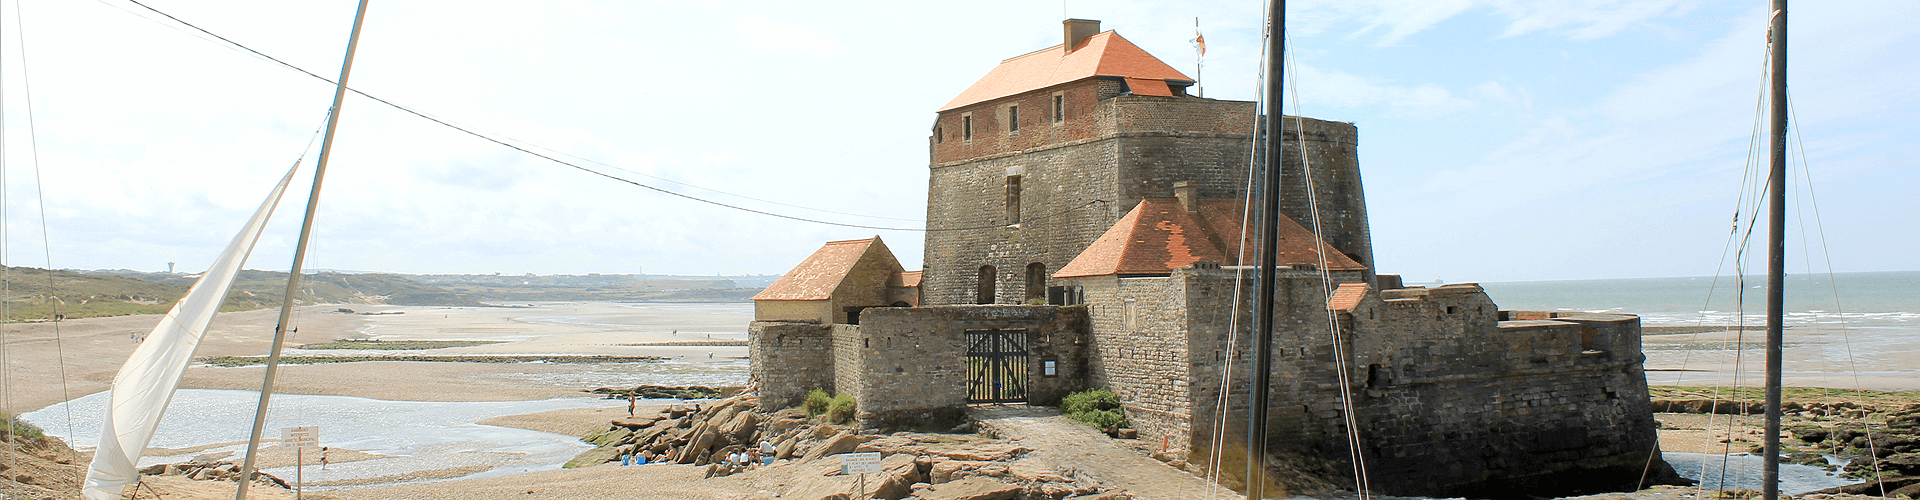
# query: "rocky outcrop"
{"points": [[211, 471]]}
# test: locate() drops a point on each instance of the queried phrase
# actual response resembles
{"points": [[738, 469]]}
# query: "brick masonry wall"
{"points": [[788, 359]]}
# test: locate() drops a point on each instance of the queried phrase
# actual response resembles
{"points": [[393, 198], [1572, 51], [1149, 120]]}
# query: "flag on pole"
{"points": [[1199, 42]]}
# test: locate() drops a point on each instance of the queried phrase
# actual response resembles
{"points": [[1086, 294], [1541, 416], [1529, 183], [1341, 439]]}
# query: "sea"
{"points": [[1845, 330]]}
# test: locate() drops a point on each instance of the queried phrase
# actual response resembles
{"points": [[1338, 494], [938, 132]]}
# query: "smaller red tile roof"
{"points": [[1142, 86], [908, 279], [1104, 54], [1347, 297], [1160, 235], [822, 272]]}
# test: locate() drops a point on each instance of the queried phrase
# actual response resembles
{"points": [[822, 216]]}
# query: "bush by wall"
{"points": [[1097, 407]]}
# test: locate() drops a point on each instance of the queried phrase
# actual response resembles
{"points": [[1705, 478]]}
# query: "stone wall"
{"points": [[817, 311], [905, 367], [1141, 352], [1457, 402], [1077, 179], [788, 359], [1448, 399]]}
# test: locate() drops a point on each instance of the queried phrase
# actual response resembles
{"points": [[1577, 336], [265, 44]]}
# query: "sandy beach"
{"points": [[91, 350]]}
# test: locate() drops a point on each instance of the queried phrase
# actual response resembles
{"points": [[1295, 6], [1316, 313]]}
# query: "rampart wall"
{"points": [[905, 367], [789, 359]]}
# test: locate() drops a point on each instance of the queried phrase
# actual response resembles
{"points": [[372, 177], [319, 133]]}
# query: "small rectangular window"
{"points": [[1013, 199], [937, 136], [966, 127], [1059, 108], [1049, 368], [1013, 118]]}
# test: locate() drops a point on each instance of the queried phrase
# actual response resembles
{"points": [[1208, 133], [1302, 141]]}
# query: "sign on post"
{"points": [[302, 438], [861, 463]]}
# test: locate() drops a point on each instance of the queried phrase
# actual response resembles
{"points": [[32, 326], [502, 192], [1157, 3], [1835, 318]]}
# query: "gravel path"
{"points": [[1061, 443]]}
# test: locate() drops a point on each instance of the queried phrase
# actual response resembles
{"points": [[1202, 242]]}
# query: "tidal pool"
{"points": [[418, 436]]}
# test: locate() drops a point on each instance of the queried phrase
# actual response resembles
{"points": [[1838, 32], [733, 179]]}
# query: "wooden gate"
{"points": [[997, 366]]}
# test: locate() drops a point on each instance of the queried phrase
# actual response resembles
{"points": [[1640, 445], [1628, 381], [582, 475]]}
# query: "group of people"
{"points": [[649, 457]]}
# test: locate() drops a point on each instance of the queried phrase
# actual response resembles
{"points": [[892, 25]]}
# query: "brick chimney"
{"points": [[1079, 29], [1189, 196]]}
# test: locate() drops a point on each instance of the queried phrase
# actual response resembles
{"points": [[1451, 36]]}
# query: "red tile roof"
{"points": [[1159, 235], [822, 272], [1347, 297], [1142, 86], [908, 279], [1104, 54]]}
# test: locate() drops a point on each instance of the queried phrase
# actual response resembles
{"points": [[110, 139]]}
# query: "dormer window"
{"points": [[1013, 118]]}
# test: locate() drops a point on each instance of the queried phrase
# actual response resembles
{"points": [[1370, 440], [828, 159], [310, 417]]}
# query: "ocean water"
{"points": [[1843, 331]]}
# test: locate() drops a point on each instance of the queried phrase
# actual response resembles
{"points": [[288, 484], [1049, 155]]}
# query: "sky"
{"points": [[1499, 140]]}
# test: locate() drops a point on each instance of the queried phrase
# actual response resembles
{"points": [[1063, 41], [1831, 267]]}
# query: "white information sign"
{"points": [[861, 463], [304, 438]]}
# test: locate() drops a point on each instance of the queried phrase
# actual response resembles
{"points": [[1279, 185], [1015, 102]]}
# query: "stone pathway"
{"points": [[1061, 443]]}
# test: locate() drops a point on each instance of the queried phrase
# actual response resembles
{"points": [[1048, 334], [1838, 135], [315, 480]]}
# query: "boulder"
{"points": [[784, 450], [610, 436], [741, 428], [972, 488], [839, 443], [593, 457], [697, 445]]}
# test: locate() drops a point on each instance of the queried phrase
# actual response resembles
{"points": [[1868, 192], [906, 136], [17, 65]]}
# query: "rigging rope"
{"points": [[1343, 365], [52, 297], [1216, 454], [490, 138], [13, 423]]}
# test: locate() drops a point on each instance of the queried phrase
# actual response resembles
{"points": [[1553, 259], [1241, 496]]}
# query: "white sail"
{"points": [[146, 383]]}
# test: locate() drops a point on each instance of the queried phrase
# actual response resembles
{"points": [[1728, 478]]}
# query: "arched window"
{"points": [[983, 293], [1036, 283]]}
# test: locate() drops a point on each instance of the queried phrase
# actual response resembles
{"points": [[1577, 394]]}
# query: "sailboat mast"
{"points": [[1269, 250], [299, 255], [1776, 241]]}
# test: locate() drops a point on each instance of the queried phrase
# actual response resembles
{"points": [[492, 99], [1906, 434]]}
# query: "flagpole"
{"points": [[1200, 54]]}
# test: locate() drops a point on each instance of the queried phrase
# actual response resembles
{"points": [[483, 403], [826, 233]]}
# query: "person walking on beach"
{"points": [[630, 403], [323, 458]]}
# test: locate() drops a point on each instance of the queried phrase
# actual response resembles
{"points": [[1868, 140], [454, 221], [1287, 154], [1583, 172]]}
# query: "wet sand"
{"points": [[92, 350]]}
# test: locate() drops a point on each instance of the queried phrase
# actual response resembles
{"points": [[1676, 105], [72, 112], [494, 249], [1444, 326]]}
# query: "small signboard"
{"points": [[304, 438], [861, 463]]}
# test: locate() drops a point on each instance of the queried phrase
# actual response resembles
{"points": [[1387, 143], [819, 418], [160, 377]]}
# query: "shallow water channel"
{"points": [[418, 437], [1743, 472]]}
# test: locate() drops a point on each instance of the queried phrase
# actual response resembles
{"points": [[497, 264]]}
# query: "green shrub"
{"points": [[817, 402], [1097, 407], [12, 426], [841, 410]]}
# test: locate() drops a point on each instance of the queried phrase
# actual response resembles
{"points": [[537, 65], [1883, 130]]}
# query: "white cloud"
{"points": [[1322, 88]]}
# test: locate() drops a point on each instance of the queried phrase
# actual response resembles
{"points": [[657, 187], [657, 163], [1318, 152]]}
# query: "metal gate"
{"points": [[997, 366]]}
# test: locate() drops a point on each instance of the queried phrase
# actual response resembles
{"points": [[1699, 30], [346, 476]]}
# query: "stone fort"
{"points": [[1084, 230]]}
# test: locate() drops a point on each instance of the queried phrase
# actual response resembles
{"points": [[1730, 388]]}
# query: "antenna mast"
{"points": [[1269, 247]]}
